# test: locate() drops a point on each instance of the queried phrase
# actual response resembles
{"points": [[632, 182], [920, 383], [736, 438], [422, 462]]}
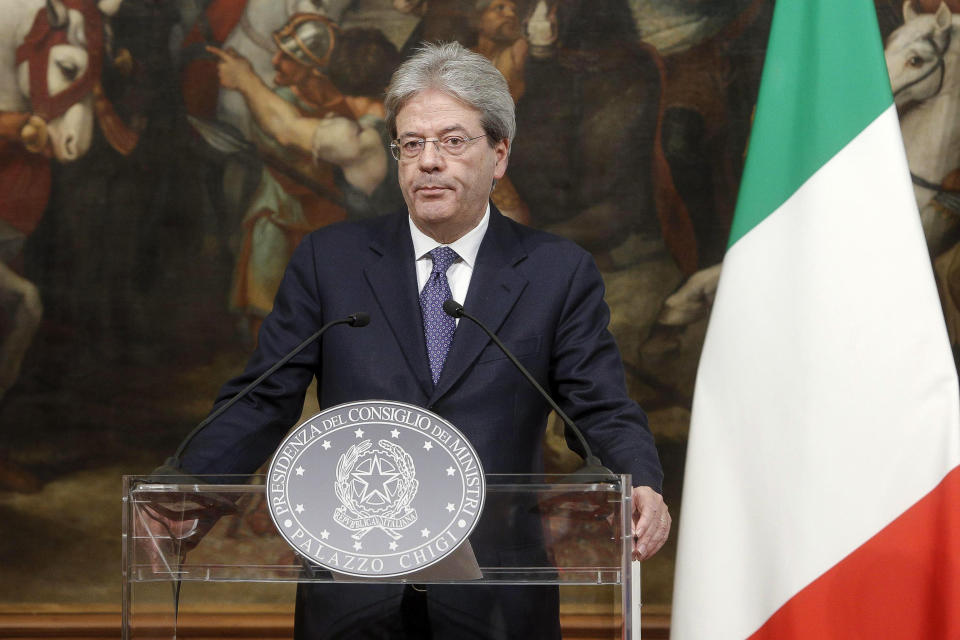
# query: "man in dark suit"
{"points": [[451, 115]]}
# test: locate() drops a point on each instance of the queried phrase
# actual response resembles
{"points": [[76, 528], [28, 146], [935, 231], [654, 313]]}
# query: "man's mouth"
{"points": [[430, 189]]}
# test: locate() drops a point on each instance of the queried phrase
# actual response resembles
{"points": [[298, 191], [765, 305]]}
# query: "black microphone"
{"points": [[359, 319], [592, 464]]}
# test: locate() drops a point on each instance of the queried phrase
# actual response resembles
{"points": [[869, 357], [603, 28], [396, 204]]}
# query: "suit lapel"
{"points": [[397, 296], [494, 288]]}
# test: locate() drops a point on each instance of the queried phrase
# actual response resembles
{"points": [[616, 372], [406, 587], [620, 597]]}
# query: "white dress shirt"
{"points": [[460, 272]]}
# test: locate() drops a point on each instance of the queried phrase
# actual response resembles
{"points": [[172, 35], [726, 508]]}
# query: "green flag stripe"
{"points": [[824, 80]]}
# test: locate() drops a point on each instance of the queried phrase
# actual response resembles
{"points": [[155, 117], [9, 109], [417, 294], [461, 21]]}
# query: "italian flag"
{"points": [[822, 493]]}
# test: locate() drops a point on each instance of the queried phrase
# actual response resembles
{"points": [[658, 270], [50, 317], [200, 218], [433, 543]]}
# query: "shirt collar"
{"points": [[467, 246]]}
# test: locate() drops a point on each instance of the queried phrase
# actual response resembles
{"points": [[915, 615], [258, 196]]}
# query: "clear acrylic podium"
{"points": [[229, 541]]}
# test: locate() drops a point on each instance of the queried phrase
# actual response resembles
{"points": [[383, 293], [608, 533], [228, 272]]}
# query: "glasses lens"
{"points": [[454, 145], [410, 148]]}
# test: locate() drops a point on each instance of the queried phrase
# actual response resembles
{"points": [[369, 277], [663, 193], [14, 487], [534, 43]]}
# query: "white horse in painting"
{"points": [[923, 60], [56, 66], [70, 133]]}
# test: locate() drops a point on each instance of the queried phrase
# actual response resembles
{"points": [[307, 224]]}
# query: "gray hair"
{"points": [[460, 73]]}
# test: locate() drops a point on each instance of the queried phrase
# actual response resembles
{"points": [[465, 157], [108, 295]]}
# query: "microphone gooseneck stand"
{"points": [[592, 464]]}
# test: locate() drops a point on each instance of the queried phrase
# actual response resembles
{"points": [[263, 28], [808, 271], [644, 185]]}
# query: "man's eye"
{"points": [[453, 142], [411, 145]]}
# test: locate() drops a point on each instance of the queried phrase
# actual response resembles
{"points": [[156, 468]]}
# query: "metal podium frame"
{"points": [[585, 523]]}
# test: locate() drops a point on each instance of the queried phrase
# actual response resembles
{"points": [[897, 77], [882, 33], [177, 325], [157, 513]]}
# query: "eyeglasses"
{"points": [[410, 148]]}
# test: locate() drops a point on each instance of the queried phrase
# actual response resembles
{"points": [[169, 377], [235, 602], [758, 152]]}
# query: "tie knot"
{"points": [[443, 257]]}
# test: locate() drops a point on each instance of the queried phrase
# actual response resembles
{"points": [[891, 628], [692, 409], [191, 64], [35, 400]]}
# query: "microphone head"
{"points": [[359, 319], [453, 308]]}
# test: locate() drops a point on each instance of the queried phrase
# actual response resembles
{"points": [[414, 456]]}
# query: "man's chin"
{"points": [[433, 213]]}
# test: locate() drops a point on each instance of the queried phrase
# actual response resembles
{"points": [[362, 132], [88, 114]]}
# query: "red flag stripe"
{"points": [[903, 583]]}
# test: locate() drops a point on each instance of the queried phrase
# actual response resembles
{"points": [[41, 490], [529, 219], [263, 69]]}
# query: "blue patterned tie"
{"points": [[438, 327]]}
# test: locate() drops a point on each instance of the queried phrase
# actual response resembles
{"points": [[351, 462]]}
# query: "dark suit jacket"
{"points": [[542, 295]]}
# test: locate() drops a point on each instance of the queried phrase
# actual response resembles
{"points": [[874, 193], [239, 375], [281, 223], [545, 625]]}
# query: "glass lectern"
{"points": [[180, 538]]}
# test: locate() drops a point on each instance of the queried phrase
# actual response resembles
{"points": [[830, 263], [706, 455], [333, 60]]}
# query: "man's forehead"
{"points": [[437, 111]]}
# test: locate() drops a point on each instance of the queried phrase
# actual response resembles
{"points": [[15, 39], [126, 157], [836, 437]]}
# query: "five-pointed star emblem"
{"points": [[375, 479]]}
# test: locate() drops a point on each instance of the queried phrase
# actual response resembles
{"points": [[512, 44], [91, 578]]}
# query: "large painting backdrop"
{"points": [[145, 217]]}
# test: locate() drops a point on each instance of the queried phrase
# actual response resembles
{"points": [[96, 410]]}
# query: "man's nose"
{"points": [[430, 157]]}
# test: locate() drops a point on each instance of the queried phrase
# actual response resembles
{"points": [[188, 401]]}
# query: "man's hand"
{"points": [[651, 522], [161, 538], [234, 70]]}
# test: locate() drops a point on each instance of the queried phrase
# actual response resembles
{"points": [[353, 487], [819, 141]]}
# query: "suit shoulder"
{"points": [[539, 242], [349, 233]]}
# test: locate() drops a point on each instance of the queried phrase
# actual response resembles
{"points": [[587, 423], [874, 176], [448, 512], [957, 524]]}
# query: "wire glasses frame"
{"points": [[448, 145]]}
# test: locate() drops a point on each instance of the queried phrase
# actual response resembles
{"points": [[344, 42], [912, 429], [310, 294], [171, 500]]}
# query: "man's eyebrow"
{"points": [[459, 128], [452, 128]]}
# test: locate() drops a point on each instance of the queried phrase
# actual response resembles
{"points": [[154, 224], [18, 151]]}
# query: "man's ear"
{"points": [[502, 149]]}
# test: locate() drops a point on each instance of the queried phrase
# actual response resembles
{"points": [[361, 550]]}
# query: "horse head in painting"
{"points": [[923, 60], [50, 63], [921, 55]]}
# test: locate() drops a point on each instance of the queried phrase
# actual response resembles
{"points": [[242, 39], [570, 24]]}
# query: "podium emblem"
{"points": [[375, 488]]}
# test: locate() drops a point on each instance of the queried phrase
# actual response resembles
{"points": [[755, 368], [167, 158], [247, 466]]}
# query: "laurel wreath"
{"points": [[344, 467]]}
